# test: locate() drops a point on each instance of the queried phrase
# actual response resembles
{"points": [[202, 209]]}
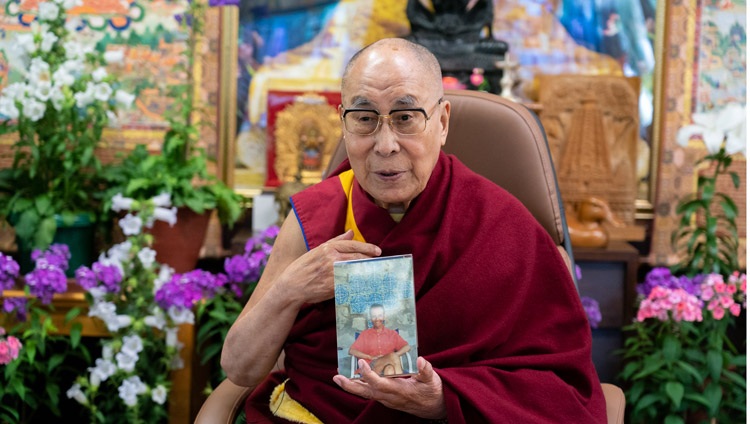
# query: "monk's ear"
{"points": [[445, 116]]}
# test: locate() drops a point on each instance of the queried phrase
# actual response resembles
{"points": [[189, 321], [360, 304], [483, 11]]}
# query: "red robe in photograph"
{"points": [[498, 315]]}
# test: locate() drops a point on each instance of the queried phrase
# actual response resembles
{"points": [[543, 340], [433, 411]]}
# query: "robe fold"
{"points": [[498, 315]]}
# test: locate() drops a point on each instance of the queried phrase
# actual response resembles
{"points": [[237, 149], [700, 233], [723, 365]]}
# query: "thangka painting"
{"points": [[303, 45], [148, 35], [721, 62]]}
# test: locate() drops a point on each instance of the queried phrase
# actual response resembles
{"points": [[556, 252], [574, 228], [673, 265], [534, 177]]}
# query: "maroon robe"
{"points": [[498, 316]]}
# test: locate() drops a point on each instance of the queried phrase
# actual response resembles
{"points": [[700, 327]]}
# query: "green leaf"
{"points": [[647, 401], [651, 367], [675, 390], [714, 361], [691, 370], [713, 396], [671, 349], [697, 398], [674, 419], [72, 314], [76, 330], [210, 353]]}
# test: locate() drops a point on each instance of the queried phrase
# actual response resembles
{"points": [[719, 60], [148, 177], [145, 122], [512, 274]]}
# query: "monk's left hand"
{"points": [[420, 394]]}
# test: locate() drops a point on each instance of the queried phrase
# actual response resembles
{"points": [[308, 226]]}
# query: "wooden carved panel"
{"points": [[592, 126]]}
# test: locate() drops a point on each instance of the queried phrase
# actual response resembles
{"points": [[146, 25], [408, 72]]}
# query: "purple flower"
{"points": [[8, 272], [237, 268], [178, 292], [593, 313], [217, 3], [662, 277], [45, 281], [109, 275], [86, 278], [17, 304], [56, 255], [270, 233]]}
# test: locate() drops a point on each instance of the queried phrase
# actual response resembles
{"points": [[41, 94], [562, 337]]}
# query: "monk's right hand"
{"points": [[309, 279]]}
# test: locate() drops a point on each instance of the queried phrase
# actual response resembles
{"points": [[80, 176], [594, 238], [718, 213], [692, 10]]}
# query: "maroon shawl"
{"points": [[498, 315]]}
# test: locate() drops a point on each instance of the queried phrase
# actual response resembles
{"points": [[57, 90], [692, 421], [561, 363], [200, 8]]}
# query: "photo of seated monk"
{"points": [[381, 347]]}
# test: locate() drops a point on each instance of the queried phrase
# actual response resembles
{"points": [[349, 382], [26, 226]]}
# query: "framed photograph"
{"points": [[376, 315]]}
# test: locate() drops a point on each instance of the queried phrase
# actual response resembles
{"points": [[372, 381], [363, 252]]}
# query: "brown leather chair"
{"points": [[506, 143]]}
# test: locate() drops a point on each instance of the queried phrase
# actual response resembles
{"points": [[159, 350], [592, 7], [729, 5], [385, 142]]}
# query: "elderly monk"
{"points": [[500, 325]]}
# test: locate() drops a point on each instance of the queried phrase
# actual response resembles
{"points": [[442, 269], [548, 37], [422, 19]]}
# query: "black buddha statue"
{"points": [[459, 34]]}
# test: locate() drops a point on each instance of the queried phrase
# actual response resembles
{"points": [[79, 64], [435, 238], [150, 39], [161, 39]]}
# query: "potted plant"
{"points": [[181, 168], [56, 114], [681, 362]]}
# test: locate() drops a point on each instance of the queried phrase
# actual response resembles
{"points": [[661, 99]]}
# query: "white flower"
{"points": [[48, 11], [157, 320], [15, 91], [132, 344], [97, 293], [159, 394], [99, 74], [85, 98], [38, 70], [107, 352], [26, 43], [102, 371], [106, 311], [58, 97], [180, 315], [63, 78], [34, 110], [48, 41], [171, 339], [131, 225], [75, 392], [8, 108], [116, 322], [114, 56], [120, 252], [102, 91], [76, 51], [176, 363], [147, 256], [126, 360], [165, 274], [124, 99], [162, 200], [716, 125], [121, 203], [167, 215], [130, 389], [43, 90]]}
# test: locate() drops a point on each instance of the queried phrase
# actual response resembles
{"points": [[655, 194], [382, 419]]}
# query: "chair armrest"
{"points": [[223, 404], [615, 403]]}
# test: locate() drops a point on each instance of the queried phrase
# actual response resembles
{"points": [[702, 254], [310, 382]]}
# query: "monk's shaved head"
{"points": [[397, 46]]}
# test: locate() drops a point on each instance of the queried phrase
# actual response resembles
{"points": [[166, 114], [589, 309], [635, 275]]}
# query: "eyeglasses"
{"points": [[402, 121]]}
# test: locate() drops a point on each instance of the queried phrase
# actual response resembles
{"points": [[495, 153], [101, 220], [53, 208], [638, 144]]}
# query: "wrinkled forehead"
{"points": [[365, 101]]}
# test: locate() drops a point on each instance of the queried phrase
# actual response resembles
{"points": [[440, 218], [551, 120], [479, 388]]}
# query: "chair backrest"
{"points": [[505, 142]]}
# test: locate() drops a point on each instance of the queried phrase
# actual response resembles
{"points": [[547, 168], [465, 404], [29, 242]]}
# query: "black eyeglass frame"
{"points": [[388, 116]]}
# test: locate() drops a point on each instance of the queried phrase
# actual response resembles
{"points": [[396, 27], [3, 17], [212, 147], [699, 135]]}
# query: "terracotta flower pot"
{"points": [[179, 246]]}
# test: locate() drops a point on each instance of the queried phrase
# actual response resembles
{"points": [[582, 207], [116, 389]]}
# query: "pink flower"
{"points": [[5, 353], [718, 313], [15, 346], [735, 309]]}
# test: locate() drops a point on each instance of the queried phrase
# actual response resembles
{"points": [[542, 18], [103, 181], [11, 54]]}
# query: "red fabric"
{"points": [[378, 344], [497, 313]]}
